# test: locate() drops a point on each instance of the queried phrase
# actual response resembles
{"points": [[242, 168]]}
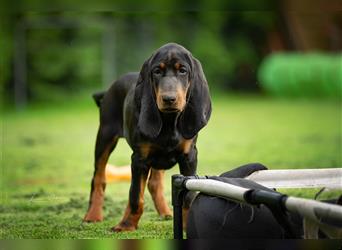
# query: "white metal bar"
{"points": [[299, 178], [217, 188], [311, 209], [314, 210]]}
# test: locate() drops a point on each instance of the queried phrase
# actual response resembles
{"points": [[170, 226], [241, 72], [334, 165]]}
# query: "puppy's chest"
{"points": [[164, 152], [165, 147]]}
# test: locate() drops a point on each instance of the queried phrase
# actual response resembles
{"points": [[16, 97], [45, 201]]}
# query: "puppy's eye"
{"points": [[157, 71], [182, 71]]}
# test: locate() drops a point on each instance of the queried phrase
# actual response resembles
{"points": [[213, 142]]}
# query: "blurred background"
{"points": [[49, 55], [274, 69]]}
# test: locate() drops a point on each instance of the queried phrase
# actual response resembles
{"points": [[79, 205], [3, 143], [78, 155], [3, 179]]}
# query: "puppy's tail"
{"points": [[98, 97]]}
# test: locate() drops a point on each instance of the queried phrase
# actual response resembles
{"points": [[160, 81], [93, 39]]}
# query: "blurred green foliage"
{"points": [[302, 75], [62, 61], [66, 50]]}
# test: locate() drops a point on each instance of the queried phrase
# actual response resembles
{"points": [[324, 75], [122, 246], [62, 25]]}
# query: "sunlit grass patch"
{"points": [[47, 160]]}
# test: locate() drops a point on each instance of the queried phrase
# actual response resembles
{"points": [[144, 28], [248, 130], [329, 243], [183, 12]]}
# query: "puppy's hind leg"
{"points": [[105, 143]]}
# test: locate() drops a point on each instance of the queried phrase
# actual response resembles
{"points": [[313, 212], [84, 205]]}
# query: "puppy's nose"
{"points": [[168, 99]]}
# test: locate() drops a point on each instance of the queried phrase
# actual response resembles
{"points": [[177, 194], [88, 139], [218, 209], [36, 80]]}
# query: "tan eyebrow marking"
{"points": [[177, 66], [162, 65]]}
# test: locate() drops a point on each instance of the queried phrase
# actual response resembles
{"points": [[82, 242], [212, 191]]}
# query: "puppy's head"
{"points": [[170, 77], [172, 81]]}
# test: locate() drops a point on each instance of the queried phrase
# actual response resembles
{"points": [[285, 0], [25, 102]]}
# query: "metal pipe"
{"points": [[178, 191], [327, 215], [217, 188], [299, 178], [320, 212]]}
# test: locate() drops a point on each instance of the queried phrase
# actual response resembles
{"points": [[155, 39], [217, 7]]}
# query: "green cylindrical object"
{"points": [[298, 74]]}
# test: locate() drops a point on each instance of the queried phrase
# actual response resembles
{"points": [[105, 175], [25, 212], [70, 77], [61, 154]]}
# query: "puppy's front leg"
{"points": [[156, 187], [135, 205], [188, 166]]}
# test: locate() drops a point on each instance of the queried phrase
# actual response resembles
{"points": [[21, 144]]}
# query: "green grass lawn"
{"points": [[47, 160]]}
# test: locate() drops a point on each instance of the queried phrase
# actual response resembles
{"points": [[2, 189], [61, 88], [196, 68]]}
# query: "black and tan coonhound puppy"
{"points": [[159, 111]]}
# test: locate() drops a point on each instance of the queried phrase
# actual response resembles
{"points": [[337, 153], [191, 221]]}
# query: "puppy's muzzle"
{"points": [[169, 99], [169, 103], [170, 95]]}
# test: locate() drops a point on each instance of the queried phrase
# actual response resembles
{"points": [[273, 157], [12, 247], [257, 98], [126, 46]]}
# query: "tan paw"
{"points": [[123, 227], [167, 216], [93, 217]]}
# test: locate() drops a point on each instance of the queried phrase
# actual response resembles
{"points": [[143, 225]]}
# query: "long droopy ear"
{"points": [[149, 122], [198, 108]]}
